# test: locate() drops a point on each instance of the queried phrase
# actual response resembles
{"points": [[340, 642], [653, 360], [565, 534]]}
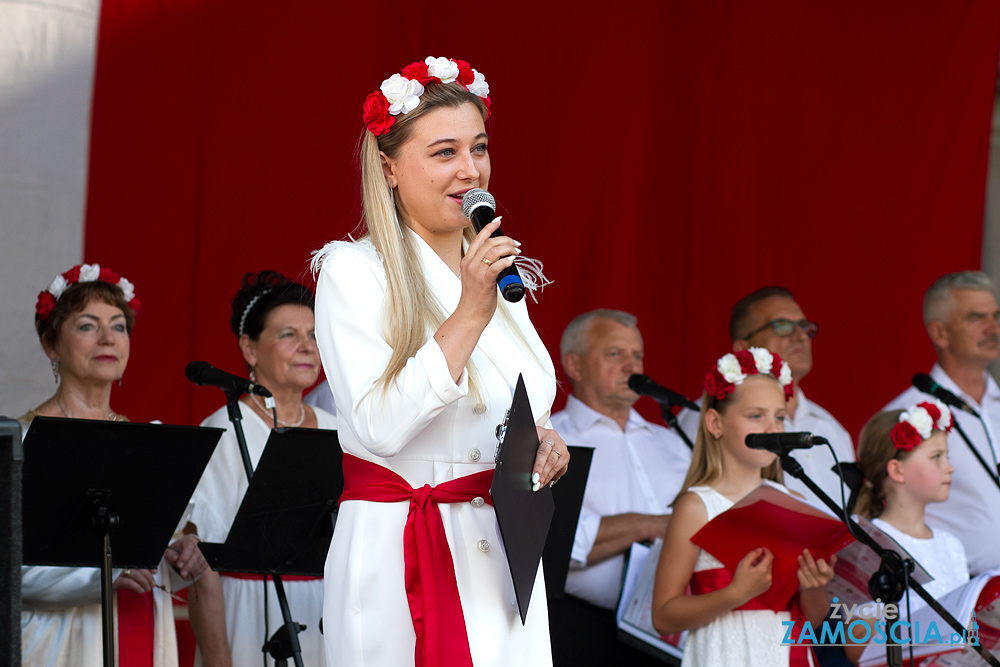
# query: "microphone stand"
{"points": [[975, 452], [671, 420], [292, 628], [892, 571]]}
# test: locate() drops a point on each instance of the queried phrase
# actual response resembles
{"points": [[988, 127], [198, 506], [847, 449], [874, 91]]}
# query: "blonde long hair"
{"points": [[875, 450], [706, 459], [411, 311]]}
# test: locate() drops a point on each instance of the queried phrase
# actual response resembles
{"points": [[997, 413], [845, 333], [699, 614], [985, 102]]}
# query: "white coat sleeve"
{"points": [[350, 294]]}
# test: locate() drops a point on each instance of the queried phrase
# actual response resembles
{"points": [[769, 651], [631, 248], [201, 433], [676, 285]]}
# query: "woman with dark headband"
{"points": [[273, 321]]}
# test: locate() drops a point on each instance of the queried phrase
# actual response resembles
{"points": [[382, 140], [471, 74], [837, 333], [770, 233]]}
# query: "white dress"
{"points": [[942, 555], [745, 637], [216, 500], [61, 616], [426, 429]]}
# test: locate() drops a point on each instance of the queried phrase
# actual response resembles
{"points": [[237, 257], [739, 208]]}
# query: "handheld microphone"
{"points": [[479, 206], [782, 443], [204, 373], [644, 386], [927, 385]]}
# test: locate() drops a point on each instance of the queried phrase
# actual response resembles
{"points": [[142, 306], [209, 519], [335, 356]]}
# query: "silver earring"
{"points": [[253, 375], [55, 369], [120, 382]]}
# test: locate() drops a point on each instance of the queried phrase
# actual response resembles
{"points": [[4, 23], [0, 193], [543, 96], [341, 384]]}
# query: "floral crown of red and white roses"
{"points": [[400, 93], [732, 369], [918, 423], [82, 273]]}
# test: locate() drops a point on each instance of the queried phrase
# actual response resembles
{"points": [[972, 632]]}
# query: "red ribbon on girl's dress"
{"points": [[431, 587], [707, 581]]}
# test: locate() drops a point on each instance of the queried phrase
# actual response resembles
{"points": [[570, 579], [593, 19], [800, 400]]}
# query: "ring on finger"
{"points": [[127, 572], [547, 442], [486, 261], [558, 453]]}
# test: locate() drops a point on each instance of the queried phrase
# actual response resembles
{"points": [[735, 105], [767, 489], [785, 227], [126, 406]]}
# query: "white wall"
{"points": [[47, 51]]}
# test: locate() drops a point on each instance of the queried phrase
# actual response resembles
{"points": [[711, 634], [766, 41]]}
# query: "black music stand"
{"points": [[90, 485], [11, 462], [286, 520], [568, 497]]}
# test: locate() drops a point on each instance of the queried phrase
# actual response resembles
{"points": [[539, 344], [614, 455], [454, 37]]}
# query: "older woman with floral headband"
{"points": [[84, 320], [422, 358]]}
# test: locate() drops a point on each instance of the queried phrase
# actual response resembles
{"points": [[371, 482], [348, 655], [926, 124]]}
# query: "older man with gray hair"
{"points": [[637, 469], [963, 322]]}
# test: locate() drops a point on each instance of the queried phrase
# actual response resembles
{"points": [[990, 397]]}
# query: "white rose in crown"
{"points": [[58, 286], [442, 68], [730, 368], [786, 374], [921, 420], [127, 288], [762, 359], [403, 94], [89, 272], [479, 87]]}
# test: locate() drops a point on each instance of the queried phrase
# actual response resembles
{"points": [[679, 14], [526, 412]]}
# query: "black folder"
{"points": [[524, 515], [286, 520]]}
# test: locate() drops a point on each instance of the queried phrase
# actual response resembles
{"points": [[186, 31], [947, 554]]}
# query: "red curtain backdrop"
{"points": [[664, 158]]}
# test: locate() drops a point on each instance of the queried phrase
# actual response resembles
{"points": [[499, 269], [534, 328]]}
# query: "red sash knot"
{"points": [[431, 587]]}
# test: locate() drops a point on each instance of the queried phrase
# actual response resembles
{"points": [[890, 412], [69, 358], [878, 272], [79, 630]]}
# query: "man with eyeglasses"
{"points": [[961, 317], [771, 318]]}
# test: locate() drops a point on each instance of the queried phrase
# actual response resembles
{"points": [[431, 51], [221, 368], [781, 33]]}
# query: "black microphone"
{"points": [[782, 443], [644, 386], [927, 385], [479, 206], [204, 373]]}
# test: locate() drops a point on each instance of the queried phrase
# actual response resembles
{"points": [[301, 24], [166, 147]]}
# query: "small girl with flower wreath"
{"points": [[903, 455], [745, 393]]}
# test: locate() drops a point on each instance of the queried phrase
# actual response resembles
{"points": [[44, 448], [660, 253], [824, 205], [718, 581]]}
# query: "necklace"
{"points": [[302, 412], [111, 414]]}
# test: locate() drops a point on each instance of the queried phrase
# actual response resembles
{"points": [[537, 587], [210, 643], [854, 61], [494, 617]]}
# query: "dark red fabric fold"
{"points": [[707, 581], [431, 587], [136, 628]]}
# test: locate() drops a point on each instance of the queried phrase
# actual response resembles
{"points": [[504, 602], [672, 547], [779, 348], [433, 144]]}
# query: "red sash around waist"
{"points": [[136, 627], [429, 572], [707, 581]]}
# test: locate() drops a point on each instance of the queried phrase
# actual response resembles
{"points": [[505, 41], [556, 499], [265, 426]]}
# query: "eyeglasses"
{"points": [[785, 328]]}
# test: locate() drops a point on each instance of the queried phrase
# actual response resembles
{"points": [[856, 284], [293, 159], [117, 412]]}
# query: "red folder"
{"points": [[768, 517]]}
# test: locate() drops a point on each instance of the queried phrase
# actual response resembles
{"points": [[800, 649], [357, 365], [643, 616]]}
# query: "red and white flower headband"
{"points": [[732, 369], [400, 93], [919, 422], [82, 273]]}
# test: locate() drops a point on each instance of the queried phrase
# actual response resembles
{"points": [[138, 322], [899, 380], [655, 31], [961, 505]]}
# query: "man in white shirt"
{"points": [[961, 317], [637, 469], [771, 318]]}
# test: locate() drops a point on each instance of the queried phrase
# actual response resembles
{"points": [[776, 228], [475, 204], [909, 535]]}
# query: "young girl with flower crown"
{"points": [[903, 455], [745, 393]]}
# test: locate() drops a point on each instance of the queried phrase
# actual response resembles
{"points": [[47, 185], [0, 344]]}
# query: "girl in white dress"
{"points": [[422, 358], [745, 393], [904, 457]]}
